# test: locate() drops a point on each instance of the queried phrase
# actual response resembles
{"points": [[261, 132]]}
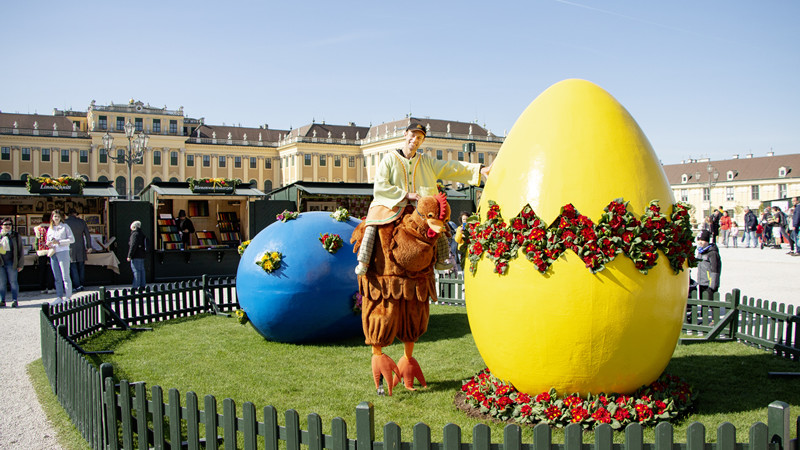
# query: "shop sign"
{"points": [[63, 185], [212, 186]]}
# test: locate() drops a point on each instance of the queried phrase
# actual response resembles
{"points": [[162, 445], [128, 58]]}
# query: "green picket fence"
{"points": [[119, 415]]}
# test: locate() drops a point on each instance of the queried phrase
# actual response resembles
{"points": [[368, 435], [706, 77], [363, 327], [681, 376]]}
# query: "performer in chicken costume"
{"points": [[396, 288], [396, 278]]}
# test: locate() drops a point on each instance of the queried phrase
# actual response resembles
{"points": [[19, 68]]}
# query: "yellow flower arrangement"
{"points": [[270, 261]]}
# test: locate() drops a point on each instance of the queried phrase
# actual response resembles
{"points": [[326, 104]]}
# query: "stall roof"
{"points": [[90, 189], [180, 188]]}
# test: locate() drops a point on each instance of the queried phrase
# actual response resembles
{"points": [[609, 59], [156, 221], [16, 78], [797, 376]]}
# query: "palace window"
{"points": [[754, 192], [156, 157], [481, 158], [83, 156], [173, 126], [783, 192], [237, 162], [120, 123], [206, 161], [222, 161], [729, 193], [337, 161], [268, 163], [253, 162], [156, 125], [439, 155], [45, 154], [5, 154], [706, 195], [173, 158], [460, 156], [103, 122], [189, 160], [120, 155], [26, 154], [352, 161], [138, 124], [65, 155], [684, 195], [103, 157], [322, 160], [307, 159]]}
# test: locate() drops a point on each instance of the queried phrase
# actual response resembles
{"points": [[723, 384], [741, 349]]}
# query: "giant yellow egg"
{"points": [[568, 328]]}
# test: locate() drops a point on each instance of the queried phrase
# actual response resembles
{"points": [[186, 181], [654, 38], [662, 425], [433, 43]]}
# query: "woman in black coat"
{"points": [[136, 254]]}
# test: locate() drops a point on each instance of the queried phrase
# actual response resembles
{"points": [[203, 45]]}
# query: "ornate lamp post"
{"points": [[136, 147], [713, 175]]}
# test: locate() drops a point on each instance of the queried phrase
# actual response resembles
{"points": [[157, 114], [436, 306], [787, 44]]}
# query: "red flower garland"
{"points": [[663, 400], [617, 231]]}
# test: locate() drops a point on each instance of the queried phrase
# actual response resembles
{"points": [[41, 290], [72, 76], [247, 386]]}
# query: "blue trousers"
{"points": [[137, 266], [60, 264], [77, 271], [8, 274]]}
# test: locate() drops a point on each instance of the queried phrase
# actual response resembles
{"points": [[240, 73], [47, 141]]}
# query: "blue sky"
{"points": [[702, 78]]}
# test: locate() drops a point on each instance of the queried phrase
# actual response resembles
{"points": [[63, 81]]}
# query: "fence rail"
{"points": [[114, 414]]}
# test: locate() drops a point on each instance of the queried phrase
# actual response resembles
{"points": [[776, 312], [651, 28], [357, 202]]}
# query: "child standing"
{"points": [[735, 233]]}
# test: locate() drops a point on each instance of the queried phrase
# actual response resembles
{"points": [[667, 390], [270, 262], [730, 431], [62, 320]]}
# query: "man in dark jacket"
{"points": [[715, 225], [709, 265], [79, 249], [796, 222], [750, 227]]}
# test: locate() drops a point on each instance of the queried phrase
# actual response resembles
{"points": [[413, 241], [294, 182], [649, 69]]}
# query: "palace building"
{"points": [[179, 147]]}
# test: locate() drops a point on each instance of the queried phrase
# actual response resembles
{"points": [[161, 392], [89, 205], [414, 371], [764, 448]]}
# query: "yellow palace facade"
{"points": [[179, 147]]}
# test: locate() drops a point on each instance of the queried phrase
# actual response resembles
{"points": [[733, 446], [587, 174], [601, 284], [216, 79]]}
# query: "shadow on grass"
{"points": [[736, 383]]}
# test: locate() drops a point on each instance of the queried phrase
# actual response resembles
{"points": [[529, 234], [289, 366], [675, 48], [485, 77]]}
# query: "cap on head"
{"points": [[704, 235], [417, 127], [182, 213]]}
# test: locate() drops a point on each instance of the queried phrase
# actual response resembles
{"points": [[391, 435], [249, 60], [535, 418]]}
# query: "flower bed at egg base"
{"points": [[484, 396]]}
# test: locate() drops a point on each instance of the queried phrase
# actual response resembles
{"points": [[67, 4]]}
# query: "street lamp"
{"points": [[136, 147], [713, 175]]}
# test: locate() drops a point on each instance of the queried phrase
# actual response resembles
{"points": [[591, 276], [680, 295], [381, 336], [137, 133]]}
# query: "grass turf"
{"points": [[216, 355]]}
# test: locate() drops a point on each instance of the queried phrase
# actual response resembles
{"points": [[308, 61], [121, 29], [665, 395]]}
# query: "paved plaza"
{"points": [[768, 274]]}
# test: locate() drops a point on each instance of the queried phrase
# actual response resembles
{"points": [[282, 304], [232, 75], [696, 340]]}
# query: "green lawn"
{"points": [[218, 356]]}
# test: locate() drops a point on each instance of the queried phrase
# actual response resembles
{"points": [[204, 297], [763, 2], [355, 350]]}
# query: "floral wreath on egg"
{"points": [[617, 231]]}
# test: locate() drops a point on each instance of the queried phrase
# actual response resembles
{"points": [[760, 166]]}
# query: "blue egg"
{"points": [[310, 296]]}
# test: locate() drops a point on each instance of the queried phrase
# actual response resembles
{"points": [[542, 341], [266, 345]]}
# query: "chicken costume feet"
{"points": [[410, 370], [384, 367]]}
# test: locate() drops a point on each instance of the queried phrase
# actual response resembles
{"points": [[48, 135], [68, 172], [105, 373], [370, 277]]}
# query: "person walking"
{"points": [[186, 229], [796, 223], [750, 226], [780, 228], [725, 227], [709, 266], [462, 238], [715, 217], [59, 238], [45, 272], [12, 261], [136, 253], [78, 250]]}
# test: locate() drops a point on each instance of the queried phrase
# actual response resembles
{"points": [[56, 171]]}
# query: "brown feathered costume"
{"points": [[398, 283]]}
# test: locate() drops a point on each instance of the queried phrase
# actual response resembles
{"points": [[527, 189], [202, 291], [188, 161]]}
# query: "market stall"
{"points": [[27, 203], [219, 210]]}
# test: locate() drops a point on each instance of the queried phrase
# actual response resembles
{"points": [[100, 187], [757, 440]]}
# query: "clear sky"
{"points": [[709, 78]]}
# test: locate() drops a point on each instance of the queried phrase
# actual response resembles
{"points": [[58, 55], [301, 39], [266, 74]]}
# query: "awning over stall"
{"points": [[18, 188], [181, 188]]}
